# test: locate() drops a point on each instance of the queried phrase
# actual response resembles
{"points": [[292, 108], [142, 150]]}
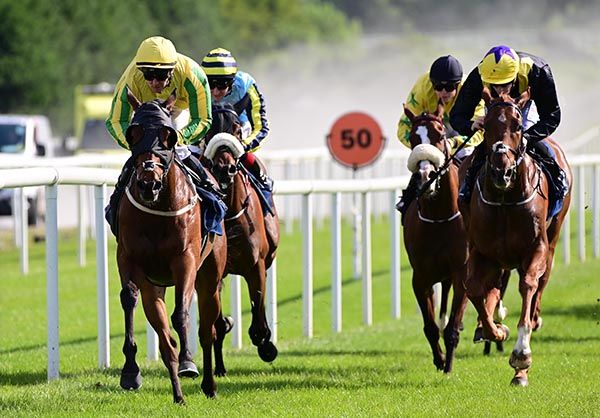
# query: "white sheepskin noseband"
{"points": [[425, 152], [224, 139]]}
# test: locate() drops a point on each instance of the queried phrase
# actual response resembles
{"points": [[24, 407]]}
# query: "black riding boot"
{"points": [[466, 188], [202, 180], [408, 195], [558, 178], [111, 210]]}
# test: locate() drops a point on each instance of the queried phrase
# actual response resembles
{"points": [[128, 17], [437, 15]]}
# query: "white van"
{"points": [[24, 137]]}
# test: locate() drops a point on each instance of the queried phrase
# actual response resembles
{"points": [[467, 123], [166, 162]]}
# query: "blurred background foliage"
{"points": [[47, 48]]}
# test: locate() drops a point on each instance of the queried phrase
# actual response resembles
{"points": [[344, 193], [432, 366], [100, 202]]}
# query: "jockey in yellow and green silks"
{"points": [[156, 71]]}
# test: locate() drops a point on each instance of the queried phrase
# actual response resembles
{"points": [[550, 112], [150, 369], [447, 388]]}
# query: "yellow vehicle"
{"points": [[92, 105]]}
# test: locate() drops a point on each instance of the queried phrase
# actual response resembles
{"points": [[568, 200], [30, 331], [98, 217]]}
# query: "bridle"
{"points": [[519, 156], [435, 175]]}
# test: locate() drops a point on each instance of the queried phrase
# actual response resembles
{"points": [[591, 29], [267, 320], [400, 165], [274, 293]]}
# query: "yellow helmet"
{"points": [[219, 62], [156, 52], [499, 66]]}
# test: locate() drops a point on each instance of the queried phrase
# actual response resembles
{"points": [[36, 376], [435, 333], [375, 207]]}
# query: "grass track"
{"points": [[382, 370]]}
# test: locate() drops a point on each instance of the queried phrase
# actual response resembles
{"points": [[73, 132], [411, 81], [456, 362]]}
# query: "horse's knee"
{"points": [[179, 319], [432, 332], [129, 298]]}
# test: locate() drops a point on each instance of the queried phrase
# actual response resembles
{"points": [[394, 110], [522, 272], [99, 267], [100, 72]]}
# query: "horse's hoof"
{"points": [[519, 381], [267, 352], [478, 335], [504, 330], [131, 380], [188, 369], [228, 320], [220, 372], [520, 361], [500, 347], [487, 348], [538, 324], [210, 390]]}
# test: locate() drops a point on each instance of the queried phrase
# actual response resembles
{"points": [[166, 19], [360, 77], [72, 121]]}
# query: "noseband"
{"points": [[500, 148]]}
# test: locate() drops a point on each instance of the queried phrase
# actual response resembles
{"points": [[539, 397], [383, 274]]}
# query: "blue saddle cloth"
{"points": [[213, 211], [264, 191]]}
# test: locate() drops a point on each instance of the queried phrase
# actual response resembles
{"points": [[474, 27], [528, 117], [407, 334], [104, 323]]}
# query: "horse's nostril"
{"points": [[157, 185], [232, 170]]}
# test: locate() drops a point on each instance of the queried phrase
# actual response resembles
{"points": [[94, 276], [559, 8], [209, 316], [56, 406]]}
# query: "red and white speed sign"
{"points": [[355, 140]]}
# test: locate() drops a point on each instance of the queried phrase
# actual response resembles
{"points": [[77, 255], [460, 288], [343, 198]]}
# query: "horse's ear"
{"points": [[133, 101], [170, 102], [409, 114], [524, 98], [486, 95], [439, 112]]}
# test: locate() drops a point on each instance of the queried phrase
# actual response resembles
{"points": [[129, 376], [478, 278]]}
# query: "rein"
{"points": [[246, 202]]}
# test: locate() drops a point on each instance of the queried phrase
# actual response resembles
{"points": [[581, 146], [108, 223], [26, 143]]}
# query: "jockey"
{"points": [[230, 86], [440, 84], [155, 72], [503, 70]]}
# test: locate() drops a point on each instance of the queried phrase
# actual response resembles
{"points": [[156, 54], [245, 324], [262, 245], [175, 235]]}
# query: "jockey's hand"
{"points": [[477, 124]]}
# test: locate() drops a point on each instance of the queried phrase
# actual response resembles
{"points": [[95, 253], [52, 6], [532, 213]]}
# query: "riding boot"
{"points": [[202, 180], [466, 188], [408, 195], [558, 178], [111, 210]]}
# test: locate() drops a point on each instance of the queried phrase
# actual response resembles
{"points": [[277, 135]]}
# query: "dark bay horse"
{"points": [[509, 227], [252, 235], [160, 244], [434, 234]]}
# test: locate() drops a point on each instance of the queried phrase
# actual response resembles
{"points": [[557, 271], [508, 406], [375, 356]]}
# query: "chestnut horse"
{"points": [[160, 244], [508, 226], [434, 234], [252, 235]]}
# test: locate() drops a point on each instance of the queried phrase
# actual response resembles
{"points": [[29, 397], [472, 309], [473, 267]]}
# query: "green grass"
{"points": [[382, 370]]}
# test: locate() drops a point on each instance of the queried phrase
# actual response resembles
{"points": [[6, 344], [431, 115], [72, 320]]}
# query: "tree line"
{"points": [[47, 48]]}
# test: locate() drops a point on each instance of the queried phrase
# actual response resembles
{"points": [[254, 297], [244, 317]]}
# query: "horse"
{"points": [[252, 235], [161, 244], [509, 227], [434, 233]]}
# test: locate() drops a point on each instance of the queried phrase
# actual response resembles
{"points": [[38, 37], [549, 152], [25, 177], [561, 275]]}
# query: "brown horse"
{"points": [[160, 244], [508, 226], [252, 235], [434, 234]]}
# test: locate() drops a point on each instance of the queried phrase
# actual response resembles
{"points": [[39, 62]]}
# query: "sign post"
{"points": [[355, 141]]}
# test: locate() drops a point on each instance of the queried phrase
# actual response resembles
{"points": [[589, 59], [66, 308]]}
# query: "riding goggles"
{"points": [[449, 87], [220, 84], [160, 74]]}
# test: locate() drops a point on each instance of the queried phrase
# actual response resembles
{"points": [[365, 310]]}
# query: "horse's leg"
{"points": [[131, 377], [481, 279], [185, 277], [223, 325], [259, 331], [424, 295], [501, 311], [452, 330], [521, 358], [443, 314], [156, 313], [209, 306]]}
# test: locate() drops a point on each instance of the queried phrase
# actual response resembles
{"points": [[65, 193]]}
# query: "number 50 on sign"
{"points": [[355, 140]]}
